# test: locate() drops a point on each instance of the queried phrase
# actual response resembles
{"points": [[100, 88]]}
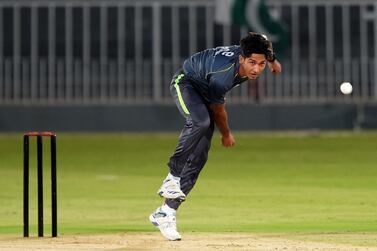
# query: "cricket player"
{"points": [[199, 90]]}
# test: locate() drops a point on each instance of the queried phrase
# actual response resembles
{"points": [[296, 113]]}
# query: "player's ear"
{"points": [[241, 59]]}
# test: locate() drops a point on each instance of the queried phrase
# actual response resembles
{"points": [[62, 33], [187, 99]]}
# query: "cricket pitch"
{"points": [[154, 241]]}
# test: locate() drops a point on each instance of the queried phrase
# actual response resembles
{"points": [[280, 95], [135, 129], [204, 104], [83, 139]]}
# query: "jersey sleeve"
{"points": [[216, 93], [220, 83]]}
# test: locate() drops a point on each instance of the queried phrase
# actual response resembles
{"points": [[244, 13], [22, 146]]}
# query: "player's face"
{"points": [[252, 66]]}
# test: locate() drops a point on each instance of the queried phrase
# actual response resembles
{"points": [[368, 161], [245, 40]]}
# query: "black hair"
{"points": [[256, 43]]}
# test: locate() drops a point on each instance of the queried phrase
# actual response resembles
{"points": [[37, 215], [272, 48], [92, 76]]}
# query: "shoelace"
{"points": [[173, 184], [170, 223], [176, 182]]}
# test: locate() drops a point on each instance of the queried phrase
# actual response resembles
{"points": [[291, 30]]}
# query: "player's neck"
{"points": [[241, 72]]}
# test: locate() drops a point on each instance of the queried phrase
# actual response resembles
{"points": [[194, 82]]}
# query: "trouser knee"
{"points": [[202, 125]]}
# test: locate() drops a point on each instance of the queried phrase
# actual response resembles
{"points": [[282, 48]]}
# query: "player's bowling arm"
{"points": [[221, 119]]}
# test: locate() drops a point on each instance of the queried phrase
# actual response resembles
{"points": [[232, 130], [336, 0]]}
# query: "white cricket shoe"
{"points": [[171, 189], [166, 223]]}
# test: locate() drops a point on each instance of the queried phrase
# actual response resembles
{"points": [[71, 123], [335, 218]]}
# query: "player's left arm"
{"points": [[275, 66], [273, 63]]}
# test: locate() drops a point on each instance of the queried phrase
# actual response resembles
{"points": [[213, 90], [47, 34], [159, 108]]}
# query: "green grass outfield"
{"points": [[285, 183]]}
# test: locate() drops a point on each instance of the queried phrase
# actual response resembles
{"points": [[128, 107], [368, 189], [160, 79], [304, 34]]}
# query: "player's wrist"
{"points": [[226, 134], [271, 57]]}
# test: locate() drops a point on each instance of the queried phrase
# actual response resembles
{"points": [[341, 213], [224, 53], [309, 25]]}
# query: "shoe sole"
{"points": [[152, 220], [163, 195]]}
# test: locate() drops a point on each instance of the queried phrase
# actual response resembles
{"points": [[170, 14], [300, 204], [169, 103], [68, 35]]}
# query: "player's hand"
{"points": [[275, 67], [228, 140]]}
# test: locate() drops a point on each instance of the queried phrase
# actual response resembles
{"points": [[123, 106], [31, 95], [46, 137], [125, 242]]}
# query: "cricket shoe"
{"points": [[166, 223], [171, 189]]}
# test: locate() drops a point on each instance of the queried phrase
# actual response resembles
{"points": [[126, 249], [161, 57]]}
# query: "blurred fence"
{"points": [[126, 51]]}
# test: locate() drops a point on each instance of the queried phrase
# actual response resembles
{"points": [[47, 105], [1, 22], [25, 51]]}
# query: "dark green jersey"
{"points": [[214, 72]]}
